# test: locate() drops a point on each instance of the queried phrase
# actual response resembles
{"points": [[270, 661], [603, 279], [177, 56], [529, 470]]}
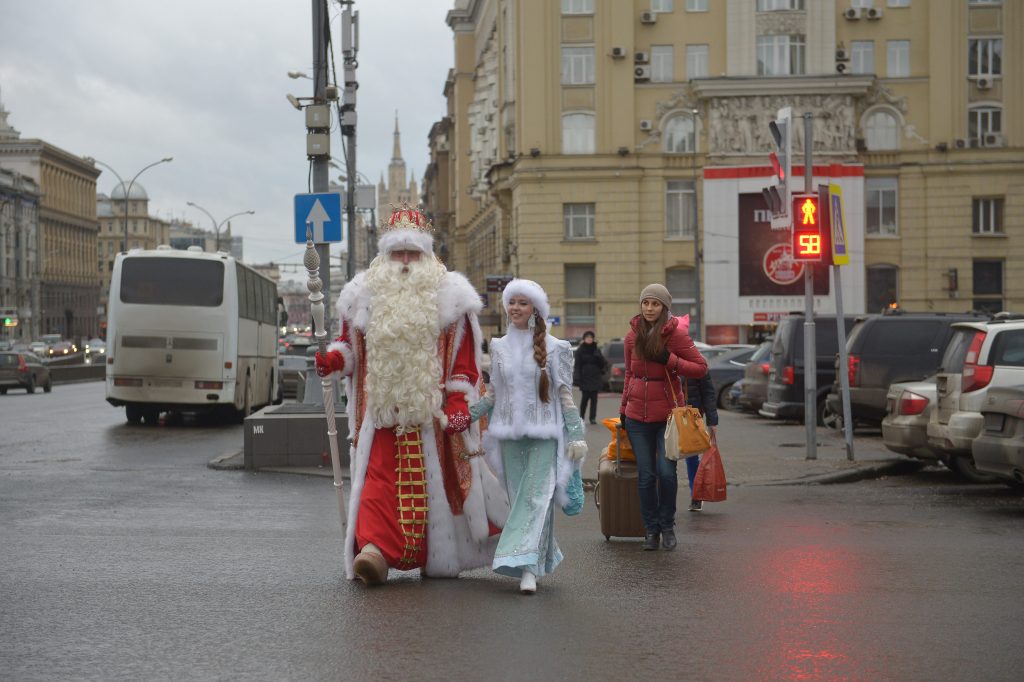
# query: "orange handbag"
{"points": [[685, 432]]}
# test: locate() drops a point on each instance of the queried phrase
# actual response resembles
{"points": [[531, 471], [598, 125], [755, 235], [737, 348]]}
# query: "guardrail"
{"points": [[70, 374]]}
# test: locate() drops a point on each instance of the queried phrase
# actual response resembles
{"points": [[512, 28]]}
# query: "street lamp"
{"points": [[128, 189], [216, 225]]}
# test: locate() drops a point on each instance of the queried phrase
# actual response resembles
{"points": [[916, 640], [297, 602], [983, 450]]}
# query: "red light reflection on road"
{"points": [[806, 591]]}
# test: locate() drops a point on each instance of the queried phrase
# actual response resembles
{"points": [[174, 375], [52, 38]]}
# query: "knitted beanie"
{"points": [[658, 292]]}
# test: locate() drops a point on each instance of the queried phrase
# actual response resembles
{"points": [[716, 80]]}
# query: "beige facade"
{"points": [[599, 145], [69, 284]]}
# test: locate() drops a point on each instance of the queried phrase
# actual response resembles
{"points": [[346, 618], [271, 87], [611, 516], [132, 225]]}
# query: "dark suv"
{"points": [[785, 398], [891, 348]]}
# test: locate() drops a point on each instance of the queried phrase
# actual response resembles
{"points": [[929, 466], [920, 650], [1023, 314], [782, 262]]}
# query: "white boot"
{"points": [[528, 584]]}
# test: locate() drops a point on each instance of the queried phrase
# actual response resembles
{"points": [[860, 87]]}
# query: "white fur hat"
{"points": [[407, 228], [529, 289]]}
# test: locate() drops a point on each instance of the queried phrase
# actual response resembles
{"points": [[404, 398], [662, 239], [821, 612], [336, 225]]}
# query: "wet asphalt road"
{"points": [[125, 557]]}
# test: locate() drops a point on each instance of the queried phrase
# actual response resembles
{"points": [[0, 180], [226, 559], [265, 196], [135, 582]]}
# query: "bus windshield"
{"points": [[172, 281]]}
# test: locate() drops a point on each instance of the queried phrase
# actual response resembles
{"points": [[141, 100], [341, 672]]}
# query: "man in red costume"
{"points": [[410, 347]]}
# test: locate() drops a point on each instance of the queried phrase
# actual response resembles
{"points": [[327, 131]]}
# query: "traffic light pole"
{"points": [[810, 353]]}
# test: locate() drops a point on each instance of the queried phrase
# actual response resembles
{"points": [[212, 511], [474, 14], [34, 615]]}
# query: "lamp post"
{"points": [[216, 225], [696, 232], [128, 189]]}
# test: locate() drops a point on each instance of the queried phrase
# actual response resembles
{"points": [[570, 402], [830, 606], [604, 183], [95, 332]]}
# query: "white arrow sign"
{"points": [[318, 216]]}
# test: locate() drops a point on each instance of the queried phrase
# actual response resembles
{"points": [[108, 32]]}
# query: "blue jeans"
{"points": [[656, 475], [692, 463]]}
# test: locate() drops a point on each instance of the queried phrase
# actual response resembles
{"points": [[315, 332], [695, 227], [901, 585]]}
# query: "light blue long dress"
{"points": [[525, 445]]}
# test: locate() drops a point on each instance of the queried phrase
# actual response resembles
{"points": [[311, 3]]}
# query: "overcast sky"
{"points": [[131, 81]]}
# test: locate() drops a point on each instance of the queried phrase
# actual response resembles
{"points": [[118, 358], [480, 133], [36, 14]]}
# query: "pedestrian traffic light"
{"points": [[778, 195], [809, 242]]}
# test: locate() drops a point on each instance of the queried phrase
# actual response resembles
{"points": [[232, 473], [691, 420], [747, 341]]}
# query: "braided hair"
{"points": [[540, 354]]}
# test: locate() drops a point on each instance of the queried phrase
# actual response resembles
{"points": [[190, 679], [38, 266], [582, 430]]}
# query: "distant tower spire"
{"points": [[396, 153]]}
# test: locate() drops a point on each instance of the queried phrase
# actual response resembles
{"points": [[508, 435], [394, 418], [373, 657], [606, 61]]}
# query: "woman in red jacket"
{"points": [[658, 349]]}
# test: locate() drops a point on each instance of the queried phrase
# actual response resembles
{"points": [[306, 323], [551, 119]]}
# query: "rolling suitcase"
{"points": [[617, 497]]}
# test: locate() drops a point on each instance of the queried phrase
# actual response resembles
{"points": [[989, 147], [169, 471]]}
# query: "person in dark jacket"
{"points": [[588, 374], [700, 393], [658, 350]]}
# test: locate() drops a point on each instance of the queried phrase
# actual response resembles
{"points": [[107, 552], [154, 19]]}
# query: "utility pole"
{"points": [[321, 27], [349, 48], [810, 352]]}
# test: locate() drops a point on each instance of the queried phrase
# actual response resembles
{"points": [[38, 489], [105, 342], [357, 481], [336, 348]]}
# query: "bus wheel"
{"points": [[133, 413], [246, 401]]}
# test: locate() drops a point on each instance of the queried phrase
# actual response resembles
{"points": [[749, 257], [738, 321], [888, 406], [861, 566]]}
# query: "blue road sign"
{"points": [[323, 212]]}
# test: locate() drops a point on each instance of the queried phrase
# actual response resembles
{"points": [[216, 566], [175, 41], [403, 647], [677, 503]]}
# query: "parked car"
{"points": [[980, 356], [615, 365], [296, 344], [785, 398], [726, 369], [62, 349], [999, 449], [754, 387], [905, 425], [39, 348], [887, 349], [23, 370]]}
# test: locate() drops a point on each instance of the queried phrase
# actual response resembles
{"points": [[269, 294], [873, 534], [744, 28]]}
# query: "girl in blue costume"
{"points": [[534, 439]]}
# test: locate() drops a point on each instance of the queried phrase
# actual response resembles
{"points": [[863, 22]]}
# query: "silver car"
{"points": [[979, 357], [999, 449], [905, 426]]}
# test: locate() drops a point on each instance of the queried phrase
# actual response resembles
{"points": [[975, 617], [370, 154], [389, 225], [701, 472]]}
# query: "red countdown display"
{"points": [[808, 240]]}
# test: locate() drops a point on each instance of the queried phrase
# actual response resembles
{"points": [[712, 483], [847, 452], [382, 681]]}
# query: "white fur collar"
{"points": [[456, 298]]}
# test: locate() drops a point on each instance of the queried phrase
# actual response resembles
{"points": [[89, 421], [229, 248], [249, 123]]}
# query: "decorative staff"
{"points": [[311, 260]]}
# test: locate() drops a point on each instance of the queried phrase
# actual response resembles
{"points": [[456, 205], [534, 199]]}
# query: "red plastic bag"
{"points": [[709, 484]]}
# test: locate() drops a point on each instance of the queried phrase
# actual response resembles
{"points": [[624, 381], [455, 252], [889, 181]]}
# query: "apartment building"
{"points": [[599, 145]]}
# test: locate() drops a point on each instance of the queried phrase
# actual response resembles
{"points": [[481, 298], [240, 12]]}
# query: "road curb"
{"points": [[231, 461], [864, 473]]}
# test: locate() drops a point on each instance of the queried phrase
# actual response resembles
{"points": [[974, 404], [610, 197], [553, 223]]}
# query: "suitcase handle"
{"points": [[597, 494]]}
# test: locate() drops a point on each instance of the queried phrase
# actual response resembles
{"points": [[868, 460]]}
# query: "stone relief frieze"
{"points": [[739, 125], [781, 23]]}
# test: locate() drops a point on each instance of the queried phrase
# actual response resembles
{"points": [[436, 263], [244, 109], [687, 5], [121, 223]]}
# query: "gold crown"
{"points": [[406, 217]]}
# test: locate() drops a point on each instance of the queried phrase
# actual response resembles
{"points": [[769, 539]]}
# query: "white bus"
{"points": [[189, 331]]}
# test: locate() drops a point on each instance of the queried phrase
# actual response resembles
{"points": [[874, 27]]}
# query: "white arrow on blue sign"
{"points": [[323, 212]]}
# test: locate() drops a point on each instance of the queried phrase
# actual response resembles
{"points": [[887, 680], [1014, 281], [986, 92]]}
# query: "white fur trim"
{"points": [[346, 355], [456, 297], [530, 289], [405, 238], [460, 386]]}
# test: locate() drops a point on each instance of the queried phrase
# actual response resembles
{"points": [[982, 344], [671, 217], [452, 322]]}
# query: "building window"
{"points": [[882, 131], [580, 299], [680, 209], [899, 3], [880, 206], [898, 60], [577, 6], [696, 61], [577, 65], [983, 121], [862, 56], [862, 4], [578, 220], [578, 133], [780, 55], [696, 5], [661, 64], [882, 287], [680, 135], [985, 57], [682, 285], [661, 5], [988, 285], [987, 216], [777, 5]]}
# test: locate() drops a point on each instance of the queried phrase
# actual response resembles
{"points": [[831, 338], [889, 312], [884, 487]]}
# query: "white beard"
{"points": [[403, 377]]}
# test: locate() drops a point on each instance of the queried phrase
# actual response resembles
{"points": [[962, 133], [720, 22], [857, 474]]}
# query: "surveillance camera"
{"points": [[331, 93]]}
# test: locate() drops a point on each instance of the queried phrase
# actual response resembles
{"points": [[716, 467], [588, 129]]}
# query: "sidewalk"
{"points": [[755, 451]]}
